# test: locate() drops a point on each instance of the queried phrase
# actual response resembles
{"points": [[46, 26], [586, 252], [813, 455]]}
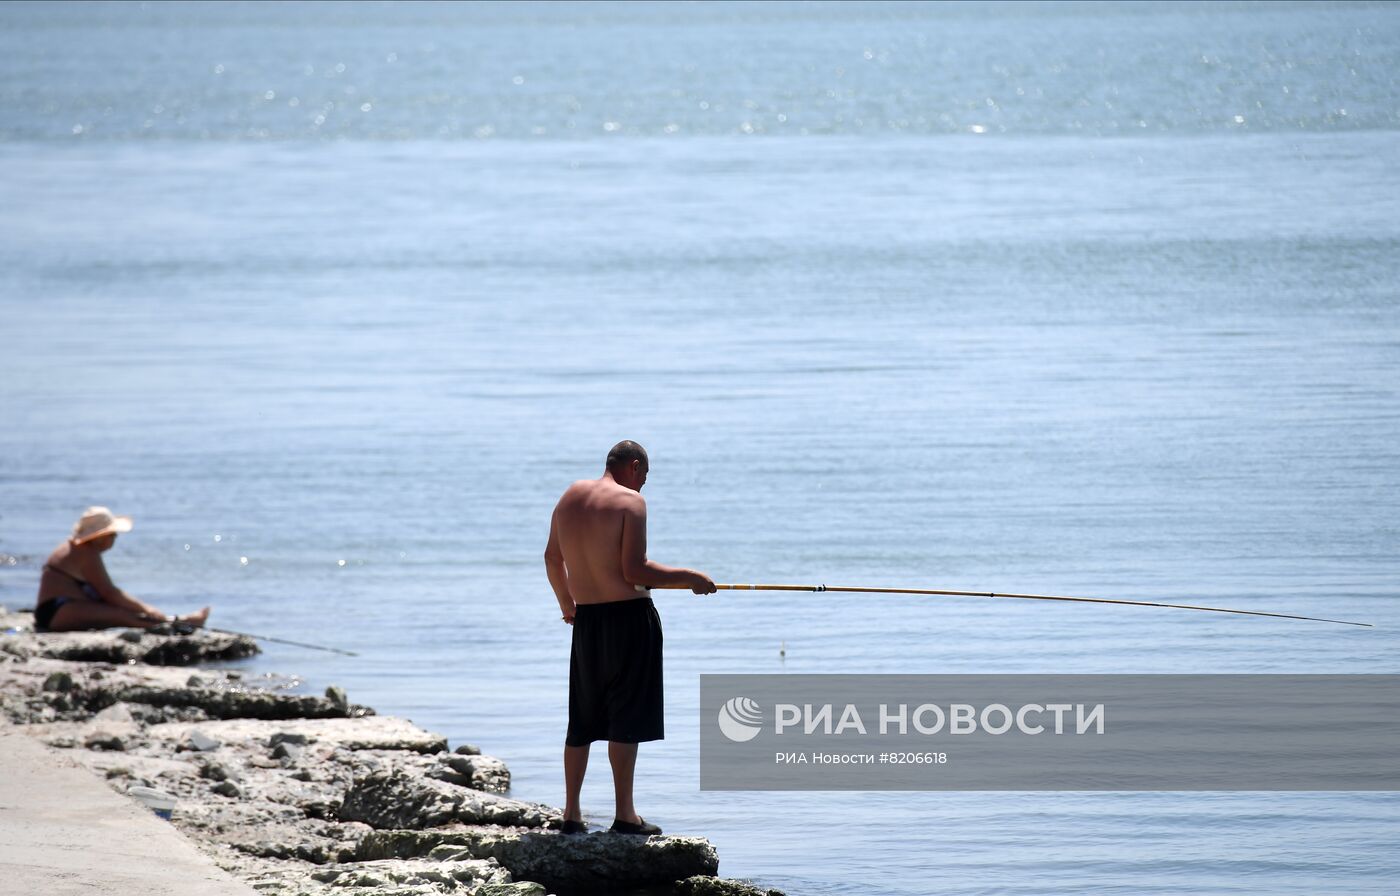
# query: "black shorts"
{"points": [[615, 688]]}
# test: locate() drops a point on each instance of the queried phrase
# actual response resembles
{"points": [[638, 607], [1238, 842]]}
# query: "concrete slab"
{"points": [[64, 832]]}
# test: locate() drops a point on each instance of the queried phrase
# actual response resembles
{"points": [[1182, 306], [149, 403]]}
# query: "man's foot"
{"points": [[640, 826], [574, 827]]}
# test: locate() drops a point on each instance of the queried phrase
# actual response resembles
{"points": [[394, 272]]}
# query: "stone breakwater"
{"points": [[301, 795]]}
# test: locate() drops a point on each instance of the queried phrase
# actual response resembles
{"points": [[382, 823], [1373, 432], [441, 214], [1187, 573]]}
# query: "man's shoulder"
{"points": [[612, 496], [583, 488], [596, 491], [620, 497]]}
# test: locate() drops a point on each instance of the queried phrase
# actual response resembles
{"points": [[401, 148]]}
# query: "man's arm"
{"points": [[638, 570], [554, 568]]}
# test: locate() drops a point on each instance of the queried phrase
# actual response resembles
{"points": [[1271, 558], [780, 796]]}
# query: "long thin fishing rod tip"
{"points": [[224, 631], [938, 592]]}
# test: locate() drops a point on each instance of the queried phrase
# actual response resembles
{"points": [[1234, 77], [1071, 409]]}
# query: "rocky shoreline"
{"points": [[300, 795]]}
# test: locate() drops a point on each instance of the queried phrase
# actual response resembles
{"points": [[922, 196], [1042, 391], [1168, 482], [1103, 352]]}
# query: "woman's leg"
{"points": [[195, 619], [78, 615]]}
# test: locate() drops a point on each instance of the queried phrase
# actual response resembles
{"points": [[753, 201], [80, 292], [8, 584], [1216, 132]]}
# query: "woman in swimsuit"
{"points": [[75, 591]]}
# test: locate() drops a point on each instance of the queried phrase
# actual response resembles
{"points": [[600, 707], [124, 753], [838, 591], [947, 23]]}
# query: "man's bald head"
{"points": [[624, 453]]}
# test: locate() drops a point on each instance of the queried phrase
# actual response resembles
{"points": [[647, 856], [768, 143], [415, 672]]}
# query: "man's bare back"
{"points": [[591, 519], [597, 551]]}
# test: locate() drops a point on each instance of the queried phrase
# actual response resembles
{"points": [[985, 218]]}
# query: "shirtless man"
{"points": [[597, 564]]}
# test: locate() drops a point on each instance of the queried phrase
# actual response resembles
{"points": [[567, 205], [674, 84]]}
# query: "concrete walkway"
{"points": [[63, 831]]}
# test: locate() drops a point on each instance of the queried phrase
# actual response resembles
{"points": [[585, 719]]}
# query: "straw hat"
{"points": [[97, 522]]}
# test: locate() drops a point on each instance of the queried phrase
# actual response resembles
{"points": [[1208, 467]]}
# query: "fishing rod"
{"points": [[1059, 597], [184, 627], [224, 631]]}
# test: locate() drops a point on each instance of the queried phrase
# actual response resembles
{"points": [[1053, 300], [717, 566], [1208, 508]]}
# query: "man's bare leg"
{"points": [[575, 765], [624, 762]]}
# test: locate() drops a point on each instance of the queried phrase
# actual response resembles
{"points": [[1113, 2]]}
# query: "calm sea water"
{"points": [[336, 299]]}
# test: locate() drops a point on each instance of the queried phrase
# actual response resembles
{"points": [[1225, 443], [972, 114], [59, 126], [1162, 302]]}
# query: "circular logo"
{"points": [[740, 719]]}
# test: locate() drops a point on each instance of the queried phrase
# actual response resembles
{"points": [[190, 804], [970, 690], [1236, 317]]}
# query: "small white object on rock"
{"points": [[117, 712], [158, 801]]}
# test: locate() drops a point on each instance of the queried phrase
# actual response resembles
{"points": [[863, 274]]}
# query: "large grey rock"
{"points": [[241, 704], [600, 862], [411, 878], [366, 733], [156, 649], [397, 800], [716, 886], [477, 772], [520, 888], [291, 877], [263, 829]]}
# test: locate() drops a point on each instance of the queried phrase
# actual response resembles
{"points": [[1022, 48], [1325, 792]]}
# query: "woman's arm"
{"points": [[95, 572]]}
